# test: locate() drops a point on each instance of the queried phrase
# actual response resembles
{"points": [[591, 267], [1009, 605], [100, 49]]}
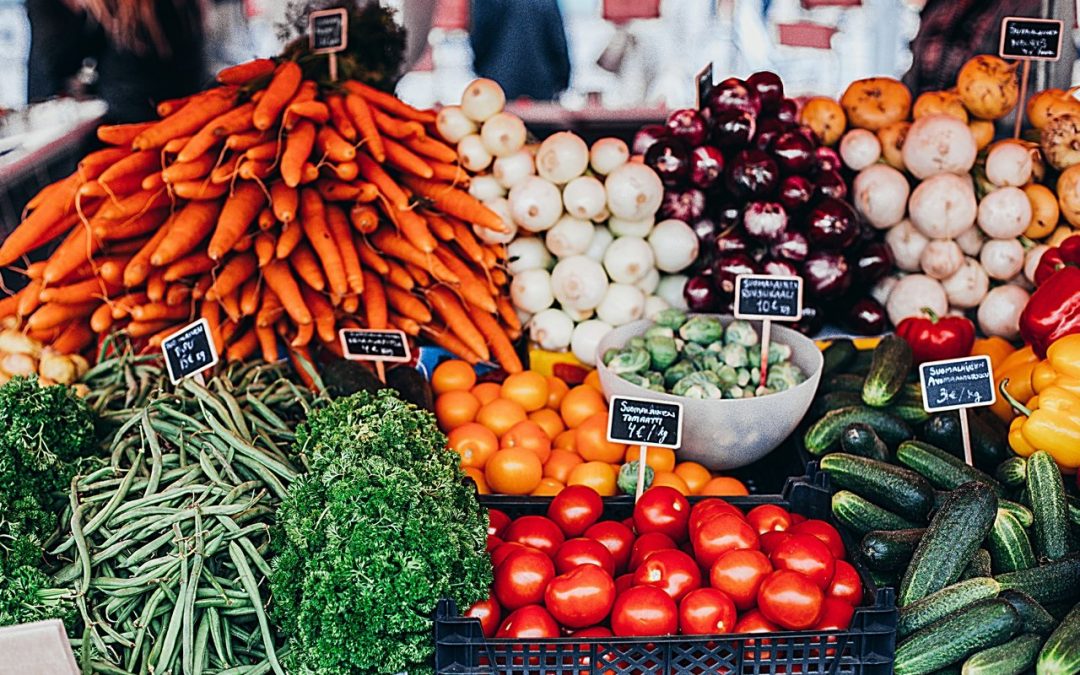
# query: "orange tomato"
{"points": [[560, 464], [452, 375], [500, 415], [668, 478], [581, 403], [548, 487], [478, 477], [474, 442], [724, 486], [455, 408], [528, 388], [593, 380], [566, 440], [529, 435], [693, 474], [556, 390], [486, 392], [597, 475], [660, 459], [592, 442], [549, 421], [513, 471]]}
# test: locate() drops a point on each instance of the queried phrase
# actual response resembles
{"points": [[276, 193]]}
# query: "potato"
{"points": [[1060, 140], [983, 131], [1044, 211], [939, 102], [1068, 191], [875, 102], [1039, 106], [988, 87], [825, 117], [892, 137]]}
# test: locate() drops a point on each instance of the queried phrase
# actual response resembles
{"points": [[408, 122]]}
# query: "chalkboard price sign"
{"points": [[374, 345], [957, 383], [189, 351], [764, 296], [1030, 39], [640, 421], [703, 83], [328, 30]]}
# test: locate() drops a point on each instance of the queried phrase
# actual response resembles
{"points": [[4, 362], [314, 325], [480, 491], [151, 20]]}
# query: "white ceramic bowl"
{"points": [[728, 433]]}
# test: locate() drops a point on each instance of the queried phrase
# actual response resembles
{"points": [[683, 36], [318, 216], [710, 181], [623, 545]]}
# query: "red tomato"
{"points": [[707, 508], [489, 613], [722, 533], [493, 543], [581, 551], [790, 599], [770, 540], [835, 615], [521, 578], [536, 531], [797, 518], [644, 610], [497, 522], [823, 531], [846, 585], [806, 554], [531, 621], [662, 509], [706, 611], [623, 582], [739, 573], [503, 551], [670, 570], [755, 622], [617, 538], [591, 633], [647, 543], [581, 597], [769, 518], [575, 508]]}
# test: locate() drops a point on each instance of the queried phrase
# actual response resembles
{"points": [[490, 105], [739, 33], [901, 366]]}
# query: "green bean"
{"points": [[264, 411], [188, 648], [145, 550], [104, 667], [201, 656], [238, 418], [215, 632], [101, 516], [110, 631], [252, 587], [226, 638], [82, 548], [205, 397], [155, 452]]}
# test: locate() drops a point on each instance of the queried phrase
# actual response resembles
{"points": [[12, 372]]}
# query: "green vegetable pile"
{"points": [[372, 537]]}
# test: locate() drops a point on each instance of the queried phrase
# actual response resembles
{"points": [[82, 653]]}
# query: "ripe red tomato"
{"points": [[497, 522], [755, 622], [592, 633], [617, 538], [623, 582], [770, 540], [806, 554], [797, 518], [769, 518], [521, 578], [706, 611], [823, 531], [662, 509], [719, 534], [575, 508], [493, 543], [531, 621], [835, 615], [489, 613], [707, 508], [790, 599], [581, 597], [846, 585], [581, 551], [646, 544], [670, 570], [503, 551], [739, 574], [644, 610], [536, 531]]}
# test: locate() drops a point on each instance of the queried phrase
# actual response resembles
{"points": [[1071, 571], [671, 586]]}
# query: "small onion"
{"points": [[482, 99], [1031, 261], [634, 191], [999, 312], [622, 304], [628, 260], [513, 168], [579, 282], [649, 282], [569, 237], [503, 134], [631, 228], [906, 244], [551, 329], [486, 188], [881, 195], [527, 253], [535, 204], [971, 241], [671, 290], [473, 154], [602, 238], [859, 149], [967, 286], [1008, 163], [674, 245], [654, 304], [587, 335], [941, 258], [531, 290], [501, 207], [453, 125], [608, 154], [562, 157], [1005, 213], [584, 197], [1002, 259]]}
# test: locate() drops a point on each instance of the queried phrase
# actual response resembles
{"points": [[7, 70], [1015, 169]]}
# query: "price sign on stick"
{"points": [[644, 422], [328, 33], [958, 384], [703, 82], [189, 351], [769, 298], [379, 346], [1026, 39]]}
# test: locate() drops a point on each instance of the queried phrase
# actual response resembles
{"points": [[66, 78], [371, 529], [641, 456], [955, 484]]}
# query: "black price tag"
{"points": [[328, 30], [374, 345], [189, 351], [957, 383], [1030, 39], [703, 82], [642, 421], [764, 296]]}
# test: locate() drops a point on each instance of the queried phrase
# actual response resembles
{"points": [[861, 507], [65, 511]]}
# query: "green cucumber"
{"points": [[936, 606], [861, 439], [940, 468], [1061, 653], [890, 550], [1073, 504], [861, 364], [988, 447], [841, 382], [882, 578], [833, 400], [1047, 494], [1057, 581], [1010, 548], [1010, 658], [889, 369], [824, 435], [954, 534], [1035, 617], [1019, 511], [909, 411], [978, 566], [986, 623], [1012, 472], [891, 487], [860, 516], [838, 355]]}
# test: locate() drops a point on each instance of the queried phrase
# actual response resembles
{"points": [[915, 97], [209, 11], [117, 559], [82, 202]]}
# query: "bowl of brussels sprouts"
{"points": [[710, 364]]}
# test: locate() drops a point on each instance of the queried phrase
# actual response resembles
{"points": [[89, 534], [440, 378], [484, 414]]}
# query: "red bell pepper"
{"points": [[1053, 310], [934, 338], [1066, 254]]}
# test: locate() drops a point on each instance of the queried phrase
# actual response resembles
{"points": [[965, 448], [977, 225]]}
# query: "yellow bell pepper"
{"points": [[1048, 422], [1016, 438], [997, 348], [1064, 355], [1017, 369]]}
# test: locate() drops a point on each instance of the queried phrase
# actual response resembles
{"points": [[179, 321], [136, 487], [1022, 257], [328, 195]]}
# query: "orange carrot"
{"points": [[254, 170], [446, 304], [307, 91], [266, 219], [316, 111], [121, 134], [155, 286], [450, 173], [74, 338], [175, 145], [322, 312], [228, 329], [199, 110], [498, 277], [56, 314], [269, 310], [90, 167], [194, 222], [199, 190], [309, 174], [111, 270], [239, 210], [350, 304], [440, 227], [364, 218], [291, 235], [471, 288], [394, 245], [345, 171], [267, 343], [134, 204], [303, 336], [322, 240], [467, 241], [339, 117], [177, 294], [298, 145], [374, 173], [138, 268], [338, 191], [249, 297], [403, 323], [507, 312], [246, 72], [500, 342], [243, 346], [192, 265], [264, 248], [408, 305], [455, 202], [171, 105], [26, 237], [232, 121], [389, 103], [415, 228], [244, 243], [429, 147], [121, 307], [284, 200], [336, 148], [374, 299], [225, 172], [230, 303], [197, 168], [75, 250], [307, 267], [399, 277], [338, 223], [245, 140], [399, 156], [361, 116], [395, 128], [280, 279], [370, 257], [159, 311], [101, 320], [264, 152], [153, 181], [450, 342], [29, 298], [144, 329], [284, 84], [235, 272], [421, 277], [116, 188]]}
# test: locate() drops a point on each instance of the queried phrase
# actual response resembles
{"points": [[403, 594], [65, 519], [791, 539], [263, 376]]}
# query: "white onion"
{"points": [[999, 312], [579, 282], [513, 168], [473, 154], [906, 244], [943, 206], [631, 228], [967, 286], [1031, 261], [649, 282], [503, 134], [671, 290], [602, 238], [531, 290], [502, 208], [911, 294], [1002, 259], [881, 194], [569, 237], [482, 99], [883, 288], [941, 258], [654, 304], [602, 217], [1008, 163], [527, 253], [674, 244], [584, 197], [608, 154], [622, 304], [628, 259], [535, 204], [971, 241], [938, 144], [562, 157], [551, 329], [587, 335], [1005, 213], [453, 125], [579, 315], [634, 191], [485, 188], [859, 149]]}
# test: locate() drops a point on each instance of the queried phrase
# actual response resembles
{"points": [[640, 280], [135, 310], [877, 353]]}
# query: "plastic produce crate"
{"points": [[866, 648]]}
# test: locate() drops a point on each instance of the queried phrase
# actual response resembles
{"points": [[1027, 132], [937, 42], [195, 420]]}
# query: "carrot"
{"points": [[177, 294], [79, 291], [254, 170], [56, 314], [507, 312], [232, 121], [75, 250], [471, 288], [350, 304], [239, 210], [345, 171], [101, 320], [243, 244], [498, 277], [338, 223], [414, 227], [291, 235], [464, 238], [134, 204], [281, 281], [269, 310], [121, 134], [264, 248], [322, 312], [249, 297], [322, 240], [395, 128], [284, 200], [267, 343], [455, 202], [449, 308], [285, 82], [239, 269], [307, 91], [228, 330], [171, 105], [245, 140], [339, 117], [74, 338], [264, 152], [450, 342], [144, 329], [155, 286], [336, 148], [175, 145], [394, 245], [111, 271], [364, 218], [374, 173], [420, 276], [153, 181], [361, 116], [27, 235], [266, 219], [159, 311], [450, 173], [316, 111], [211, 311], [370, 257], [309, 173], [389, 102], [338, 191], [403, 323], [191, 265], [121, 186], [429, 147], [225, 172], [305, 263], [440, 227], [194, 222], [298, 145], [500, 342], [302, 363], [194, 169], [89, 168], [202, 284], [374, 299], [399, 277], [29, 298], [243, 73], [199, 190], [408, 305], [230, 303], [121, 308], [199, 110], [399, 156], [242, 347], [9, 303]]}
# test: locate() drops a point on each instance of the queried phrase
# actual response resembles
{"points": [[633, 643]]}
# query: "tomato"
{"points": [[617, 538], [592, 441], [662, 509], [722, 533], [755, 622], [823, 531], [497, 522], [646, 544], [531, 622], [797, 518], [835, 615], [623, 582], [528, 388], [846, 585], [521, 578], [770, 540], [790, 599], [575, 509], [807, 555], [590, 633], [493, 543], [644, 610], [489, 612], [670, 570], [769, 518], [582, 551], [706, 508], [503, 551], [739, 573], [513, 471], [581, 597], [706, 611], [536, 531], [452, 375]]}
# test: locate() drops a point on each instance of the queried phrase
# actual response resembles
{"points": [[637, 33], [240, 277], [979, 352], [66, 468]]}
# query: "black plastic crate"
{"points": [[866, 648]]}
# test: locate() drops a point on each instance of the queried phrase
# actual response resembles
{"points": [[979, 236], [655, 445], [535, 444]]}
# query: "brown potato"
{"points": [[1068, 190], [1038, 106], [1044, 211], [939, 102], [825, 117], [892, 137], [983, 131], [875, 102], [987, 85], [1061, 141]]}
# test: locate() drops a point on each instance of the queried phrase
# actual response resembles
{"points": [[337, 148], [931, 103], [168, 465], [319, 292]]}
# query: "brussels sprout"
{"points": [[659, 331], [764, 391], [778, 352], [662, 351], [635, 343], [734, 355], [783, 376], [742, 333], [753, 354], [733, 392], [677, 372], [695, 354], [742, 376], [630, 361], [715, 347], [670, 318], [705, 382], [627, 480], [702, 391], [702, 330], [656, 380], [727, 375], [610, 354], [711, 361], [635, 378]]}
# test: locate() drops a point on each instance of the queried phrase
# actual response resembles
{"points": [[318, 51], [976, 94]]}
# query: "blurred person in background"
{"points": [[521, 44]]}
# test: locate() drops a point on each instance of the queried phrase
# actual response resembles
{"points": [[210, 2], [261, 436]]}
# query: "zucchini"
{"points": [[979, 566], [986, 623], [889, 368], [891, 487], [890, 550], [941, 468], [988, 448], [861, 439], [1010, 548], [824, 435], [1019, 511], [1057, 581], [1012, 472], [936, 606], [838, 355], [860, 516], [1035, 617], [1061, 653], [1047, 497], [954, 534], [1010, 658], [842, 382]]}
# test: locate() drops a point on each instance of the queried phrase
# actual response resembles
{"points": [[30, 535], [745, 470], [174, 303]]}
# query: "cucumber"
{"points": [[1073, 505], [1010, 658], [1035, 617], [1012, 472], [954, 534], [1057, 581], [988, 448], [986, 623], [979, 566], [909, 411], [936, 606], [824, 435], [1047, 493], [838, 355], [1019, 511], [861, 439], [861, 363], [860, 516], [842, 382], [1010, 548], [891, 487], [833, 400], [940, 468], [890, 550], [1061, 653], [882, 578], [889, 369]]}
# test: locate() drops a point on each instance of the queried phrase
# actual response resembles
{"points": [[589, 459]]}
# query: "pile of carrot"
{"points": [[277, 209]]}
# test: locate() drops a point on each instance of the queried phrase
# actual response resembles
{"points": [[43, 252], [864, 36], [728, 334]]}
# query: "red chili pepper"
{"points": [[933, 338], [1053, 311]]}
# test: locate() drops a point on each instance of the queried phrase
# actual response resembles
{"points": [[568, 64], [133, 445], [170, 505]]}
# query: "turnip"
{"points": [[1031, 261], [473, 154], [654, 304], [914, 292], [579, 282], [999, 312], [482, 99], [883, 288], [634, 191], [514, 168], [622, 304], [967, 286], [941, 258], [649, 282], [674, 244], [1002, 259], [881, 194], [535, 204], [569, 237], [602, 238], [587, 335], [503, 134], [485, 188], [906, 245], [531, 290], [971, 241], [938, 144], [1005, 213], [631, 228], [501, 207], [551, 329], [562, 157], [527, 253], [1008, 163], [943, 206], [608, 154], [453, 125], [628, 259], [671, 290], [584, 197], [859, 149]]}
